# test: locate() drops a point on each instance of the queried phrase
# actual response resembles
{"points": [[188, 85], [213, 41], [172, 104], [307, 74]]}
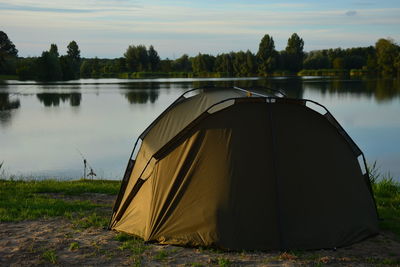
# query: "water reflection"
{"points": [[141, 93], [292, 87], [363, 107], [382, 90], [54, 99], [141, 97], [6, 107]]}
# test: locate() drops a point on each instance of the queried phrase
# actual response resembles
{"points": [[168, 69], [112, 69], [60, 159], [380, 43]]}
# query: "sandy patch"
{"points": [[47, 242]]}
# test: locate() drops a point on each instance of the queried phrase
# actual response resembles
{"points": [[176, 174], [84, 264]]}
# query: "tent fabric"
{"points": [[261, 173]]}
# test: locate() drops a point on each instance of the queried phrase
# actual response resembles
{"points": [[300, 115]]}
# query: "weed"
{"points": [[74, 246], [50, 256], [68, 235], [224, 262], [122, 237], [92, 220], [161, 255], [132, 243]]}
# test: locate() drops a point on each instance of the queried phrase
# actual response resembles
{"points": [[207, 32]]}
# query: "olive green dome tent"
{"points": [[229, 168]]}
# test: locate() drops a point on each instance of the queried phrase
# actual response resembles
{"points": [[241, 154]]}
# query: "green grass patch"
{"points": [[161, 255], [8, 77], [76, 187], [387, 196], [91, 220], [27, 200], [134, 244], [50, 256], [224, 262], [73, 246]]}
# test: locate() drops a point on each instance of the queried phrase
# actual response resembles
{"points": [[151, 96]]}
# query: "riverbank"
{"points": [[160, 74], [62, 223]]}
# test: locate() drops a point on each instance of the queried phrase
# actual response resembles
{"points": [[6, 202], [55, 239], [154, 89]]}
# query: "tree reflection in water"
{"points": [[7, 106], [54, 99], [141, 93]]}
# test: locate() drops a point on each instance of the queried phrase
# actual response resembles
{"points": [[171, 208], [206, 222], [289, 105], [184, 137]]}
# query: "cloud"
{"points": [[42, 9], [107, 27], [351, 13]]}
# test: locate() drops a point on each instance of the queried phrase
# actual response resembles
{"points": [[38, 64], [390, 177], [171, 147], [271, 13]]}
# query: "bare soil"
{"points": [[47, 242]]}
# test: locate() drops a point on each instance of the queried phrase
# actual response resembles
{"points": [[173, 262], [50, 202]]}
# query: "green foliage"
{"points": [[266, 55], [182, 64], [137, 58], [50, 256], [223, 63], [72, 61], [387, 196], [73, 246], [161, 255], [54, 50], [49, 67], [135, 245], [386, 52], [203, 63], [122, 237], [153, 59], [8, 53], [294, 55], [224, 262], [23, 200], [92, 220], [140, 62]]}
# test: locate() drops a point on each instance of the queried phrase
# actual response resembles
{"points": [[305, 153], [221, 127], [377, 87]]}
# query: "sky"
{"points": [[105, 28]]}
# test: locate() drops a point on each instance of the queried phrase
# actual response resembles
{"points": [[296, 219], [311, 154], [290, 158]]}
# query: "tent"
{"points": [[235, 169]]}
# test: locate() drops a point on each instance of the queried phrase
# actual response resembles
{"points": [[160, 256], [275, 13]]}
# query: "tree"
{"points": [[239, 64], [48, 67], [223, 63], [182, 64], [73, 51], [137, 58], [71, 62], [317, 60], [7, 51], [266, 55], [54, 50], [86, 68], [397, 64], [386, 51], [203, 63], [294, 53], [338, 63], [251, 63], [154, 59]]}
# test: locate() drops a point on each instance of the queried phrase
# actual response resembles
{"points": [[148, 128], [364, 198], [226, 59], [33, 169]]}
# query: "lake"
{"points": [[46, 128]]}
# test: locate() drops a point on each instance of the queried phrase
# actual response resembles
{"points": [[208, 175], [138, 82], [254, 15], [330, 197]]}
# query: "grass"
{"points": [[73, 246], [8, 77], [50, 256], [91, 220], [135, 245], [27, 200], [161, 255], [224, 262], [387, 196]]}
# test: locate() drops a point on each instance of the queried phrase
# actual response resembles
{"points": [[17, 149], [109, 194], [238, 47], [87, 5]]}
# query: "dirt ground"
{"points": [[55, 241]]}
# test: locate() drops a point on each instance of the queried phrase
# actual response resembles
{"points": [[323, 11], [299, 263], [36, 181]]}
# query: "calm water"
{"points": [[44, 126]]}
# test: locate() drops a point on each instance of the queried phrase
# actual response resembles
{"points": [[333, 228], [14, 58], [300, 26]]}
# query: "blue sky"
{"points": [[105, 28]]}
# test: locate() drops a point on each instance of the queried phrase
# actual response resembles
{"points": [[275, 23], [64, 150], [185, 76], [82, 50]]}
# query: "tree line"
{"points": [[140, 61]]}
